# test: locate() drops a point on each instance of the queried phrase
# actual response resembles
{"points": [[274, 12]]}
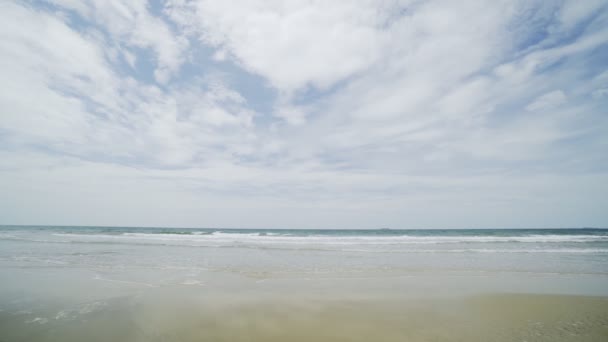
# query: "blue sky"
{"points": [[304, 114]]}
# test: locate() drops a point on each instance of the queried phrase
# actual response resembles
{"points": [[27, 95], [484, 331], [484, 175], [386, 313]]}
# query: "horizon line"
{"points": [[257, 228]]}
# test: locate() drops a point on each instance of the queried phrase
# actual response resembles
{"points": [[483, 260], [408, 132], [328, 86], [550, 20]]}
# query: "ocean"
{"points": [[575, 251], [56, 280]]}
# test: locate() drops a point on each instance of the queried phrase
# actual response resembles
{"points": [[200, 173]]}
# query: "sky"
{"points": [[304, 114]]}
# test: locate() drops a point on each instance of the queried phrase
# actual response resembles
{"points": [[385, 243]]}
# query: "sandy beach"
{"points": [[183, 316], [96, 284]]}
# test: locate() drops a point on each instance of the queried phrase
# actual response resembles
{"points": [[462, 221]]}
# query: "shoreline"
{"points": [[61, 285]]}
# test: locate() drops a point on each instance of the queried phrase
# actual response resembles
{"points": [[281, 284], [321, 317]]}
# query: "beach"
{"points": [[500, 317], [132, 284]]}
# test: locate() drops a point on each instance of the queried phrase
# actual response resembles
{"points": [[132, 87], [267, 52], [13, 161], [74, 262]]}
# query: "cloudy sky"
{"points": [[304, 114]]}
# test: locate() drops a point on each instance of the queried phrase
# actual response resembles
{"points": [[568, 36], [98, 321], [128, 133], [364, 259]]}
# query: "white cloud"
{"points": [[573, 12], [292, 43], [83, 107], [130, 23], [547, 101]]}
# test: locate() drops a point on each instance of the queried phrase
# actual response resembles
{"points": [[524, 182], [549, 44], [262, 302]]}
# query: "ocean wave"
{"points": [[352, 241], [547, 243], [487, 250], [265, 238]]}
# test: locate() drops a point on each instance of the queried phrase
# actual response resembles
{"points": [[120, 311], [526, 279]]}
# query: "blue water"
{"points": [[562, 241], [591, 232], [574, 240]]}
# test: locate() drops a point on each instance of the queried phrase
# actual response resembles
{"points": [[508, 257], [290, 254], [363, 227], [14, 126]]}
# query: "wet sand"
{"points": [[182, 316]]}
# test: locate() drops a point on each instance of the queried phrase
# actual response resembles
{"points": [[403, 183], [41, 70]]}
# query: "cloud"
{"points": [[547, 101], [600, 93], [292, 43], [304, 113], [84, 107], [131, 24], [574, 12]]}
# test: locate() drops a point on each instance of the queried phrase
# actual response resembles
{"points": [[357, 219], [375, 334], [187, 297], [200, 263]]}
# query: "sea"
{"points": [[302, 251], [576, 251]]}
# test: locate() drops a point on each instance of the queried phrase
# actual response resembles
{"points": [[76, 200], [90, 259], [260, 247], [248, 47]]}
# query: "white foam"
{"points": [[192, 282], [236, 239], [39, 320], [128, 282], [484, 250]]}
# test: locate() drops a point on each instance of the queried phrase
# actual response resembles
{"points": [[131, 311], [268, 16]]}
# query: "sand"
{"points": [[182, 316]]}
